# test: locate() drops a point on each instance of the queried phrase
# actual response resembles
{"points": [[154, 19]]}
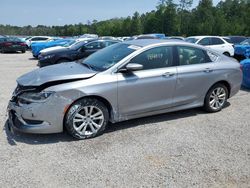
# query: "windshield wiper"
{"points": [[87, 65]]}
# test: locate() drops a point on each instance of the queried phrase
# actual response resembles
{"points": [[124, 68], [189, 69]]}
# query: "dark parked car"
{"points": [[12, 44], [77, 51], [236, 39]]}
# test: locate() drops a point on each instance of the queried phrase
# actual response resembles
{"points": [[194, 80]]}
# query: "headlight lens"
{"points": [[48, 56], [36, 97]]}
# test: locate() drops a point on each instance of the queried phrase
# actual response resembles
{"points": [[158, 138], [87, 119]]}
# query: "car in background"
{"points": [[176, 37], [12, 44], [79, 50], [242, 49], [68, 45], [37, 47], [31, 40], [236, 39], [124, 81], [89, 36], [214, 42], [245, 66], [107, 38]]}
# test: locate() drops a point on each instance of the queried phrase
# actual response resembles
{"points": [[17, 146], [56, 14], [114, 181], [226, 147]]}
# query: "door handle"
{"points": [[208, 70], [168, 74]]}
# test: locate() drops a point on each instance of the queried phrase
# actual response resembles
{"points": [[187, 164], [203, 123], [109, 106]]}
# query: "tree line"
{"points": [[229, 17]]}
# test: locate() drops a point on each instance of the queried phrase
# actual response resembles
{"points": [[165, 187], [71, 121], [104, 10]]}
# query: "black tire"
{"points": [[227, 54], [78, 108], [207, 106], [62, 61], [23, 51]]}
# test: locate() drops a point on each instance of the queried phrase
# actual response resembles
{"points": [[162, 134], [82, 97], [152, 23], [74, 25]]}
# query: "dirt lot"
{"points": [[183, 149]]}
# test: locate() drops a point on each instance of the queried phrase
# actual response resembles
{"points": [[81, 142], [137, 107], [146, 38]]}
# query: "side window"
{"points": [[34, 39], [108, 43], [217, 41], [39, 39], [191, 56], [94, 45], [158, 57], [204, 41]]}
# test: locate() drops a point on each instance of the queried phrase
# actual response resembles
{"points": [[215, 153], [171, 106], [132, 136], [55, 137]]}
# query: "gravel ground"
{"points": [[183, 149]]}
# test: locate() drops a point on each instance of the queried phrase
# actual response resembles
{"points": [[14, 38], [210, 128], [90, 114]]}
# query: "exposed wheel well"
{"points": [[226, 53]]}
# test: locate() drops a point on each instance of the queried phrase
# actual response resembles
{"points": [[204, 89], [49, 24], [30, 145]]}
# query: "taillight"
{"points": [[7, 44], [22, 44]]}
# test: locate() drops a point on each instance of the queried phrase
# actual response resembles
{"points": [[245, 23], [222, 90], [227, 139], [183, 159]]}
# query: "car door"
{"points": [[150, 89], [218, 44], [195, 75]]}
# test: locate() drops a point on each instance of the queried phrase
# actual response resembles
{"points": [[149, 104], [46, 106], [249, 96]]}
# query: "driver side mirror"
{"points": [[131, 67]]}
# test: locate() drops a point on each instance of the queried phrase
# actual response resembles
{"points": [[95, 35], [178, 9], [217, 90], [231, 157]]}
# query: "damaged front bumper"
{"points": [[17, 122], [38, 118]]}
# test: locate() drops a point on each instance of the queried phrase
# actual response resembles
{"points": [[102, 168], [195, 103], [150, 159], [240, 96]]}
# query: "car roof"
{"points": [[147, 42], [203, 36]]}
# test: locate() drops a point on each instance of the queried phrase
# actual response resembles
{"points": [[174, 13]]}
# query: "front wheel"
{"points": [[216, 98], [86, 118]]}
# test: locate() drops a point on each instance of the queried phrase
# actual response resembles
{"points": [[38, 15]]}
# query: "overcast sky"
{"points": [[60, 12]]}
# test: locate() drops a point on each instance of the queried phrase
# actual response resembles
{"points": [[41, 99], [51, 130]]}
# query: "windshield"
{"points": [[245, 42], [228, 40], [69, 43], [191, 40], [78, 45], [109, 56]]}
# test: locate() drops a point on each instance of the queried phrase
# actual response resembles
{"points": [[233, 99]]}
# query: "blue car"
{"points": [[245, 65], [241, 49], [37, 47]]}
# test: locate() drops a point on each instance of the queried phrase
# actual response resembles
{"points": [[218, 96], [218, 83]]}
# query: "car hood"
{"points": [[51, 49], [63, 72], [58, 50]]}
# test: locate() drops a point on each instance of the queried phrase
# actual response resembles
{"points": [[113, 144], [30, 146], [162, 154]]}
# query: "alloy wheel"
{"points": [[88, 120], [217, 98]]}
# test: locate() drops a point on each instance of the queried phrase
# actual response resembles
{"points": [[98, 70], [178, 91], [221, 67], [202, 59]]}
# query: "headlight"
{"points": [[36, 97], [48, 56]]}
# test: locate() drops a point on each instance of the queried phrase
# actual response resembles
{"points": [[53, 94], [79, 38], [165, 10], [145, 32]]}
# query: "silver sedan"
{"points": [[121, 82]]}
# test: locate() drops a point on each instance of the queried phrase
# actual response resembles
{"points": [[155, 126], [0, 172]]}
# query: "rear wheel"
{"points": [[23, 51], [86, 118], [216, 98]]}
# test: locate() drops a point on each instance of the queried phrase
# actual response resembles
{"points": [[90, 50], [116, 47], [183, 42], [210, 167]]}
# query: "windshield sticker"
{"points": [[133, 47]]}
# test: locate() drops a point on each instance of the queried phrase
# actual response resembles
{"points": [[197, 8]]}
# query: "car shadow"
{"points": [[17, 52], [33, 58], [14, 137]]}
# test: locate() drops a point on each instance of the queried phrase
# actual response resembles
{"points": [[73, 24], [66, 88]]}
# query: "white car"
{"points": [[214, 42], [38, 39]]}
